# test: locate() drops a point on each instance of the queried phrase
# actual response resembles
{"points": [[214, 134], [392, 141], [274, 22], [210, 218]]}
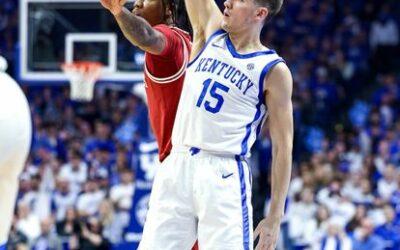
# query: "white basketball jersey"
{"points": [[221, 109]]}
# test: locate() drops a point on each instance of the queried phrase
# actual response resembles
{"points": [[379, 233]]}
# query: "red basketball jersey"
{"points": [[164, 75]]}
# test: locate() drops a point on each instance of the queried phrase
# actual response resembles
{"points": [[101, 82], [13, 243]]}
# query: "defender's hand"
{"points": [[114, 6], [268, 230]]}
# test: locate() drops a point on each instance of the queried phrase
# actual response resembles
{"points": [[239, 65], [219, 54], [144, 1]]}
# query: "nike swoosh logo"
{"points": [[226, 176], [217, 46]]}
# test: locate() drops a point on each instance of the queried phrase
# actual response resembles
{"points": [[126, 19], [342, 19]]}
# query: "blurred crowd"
{"points": [[76, 190], [346, 183], [345, 194]]}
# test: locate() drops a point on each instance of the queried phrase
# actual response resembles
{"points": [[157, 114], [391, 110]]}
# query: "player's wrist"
{"points": [[116, 11], [275, 216]]}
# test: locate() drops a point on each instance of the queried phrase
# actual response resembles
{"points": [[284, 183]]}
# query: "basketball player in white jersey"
{"points": [[233, 84], [15, 141]]}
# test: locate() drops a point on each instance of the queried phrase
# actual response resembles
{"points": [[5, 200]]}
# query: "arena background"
{"points": [[91, 164]]}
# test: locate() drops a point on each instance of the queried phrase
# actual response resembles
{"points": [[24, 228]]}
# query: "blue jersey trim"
{"points": [[216, 33], [245, 210], [264, 73], [194, 151], [3, 247], [259, 125], [248, 131], [235, 54]]}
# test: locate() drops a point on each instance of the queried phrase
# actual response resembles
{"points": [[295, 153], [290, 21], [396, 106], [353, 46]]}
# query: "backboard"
{"points": [[53, 32]]}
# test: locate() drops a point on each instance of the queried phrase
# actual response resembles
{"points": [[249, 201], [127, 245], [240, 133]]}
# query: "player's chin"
{"points": [[225, 26]]}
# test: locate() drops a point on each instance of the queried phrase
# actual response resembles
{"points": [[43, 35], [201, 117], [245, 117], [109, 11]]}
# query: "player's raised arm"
{"points": [[278, 87], [205, 18], [136, 29]]}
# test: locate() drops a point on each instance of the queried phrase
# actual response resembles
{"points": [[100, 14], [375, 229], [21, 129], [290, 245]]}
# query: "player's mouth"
{"points": [[136, 12]]}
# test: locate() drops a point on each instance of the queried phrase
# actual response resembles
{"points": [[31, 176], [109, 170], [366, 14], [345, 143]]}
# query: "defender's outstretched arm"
{"points": [[136, 29]]}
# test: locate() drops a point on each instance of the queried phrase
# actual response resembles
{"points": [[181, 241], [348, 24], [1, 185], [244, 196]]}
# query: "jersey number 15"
{"points": [[213, 93]]}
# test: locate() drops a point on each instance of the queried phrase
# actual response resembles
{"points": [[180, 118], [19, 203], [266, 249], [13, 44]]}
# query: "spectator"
{"points": [[37, 198], [322, 218], [335, 238], [302, 213], [17, 240], [388, 184], [395, 199], [340, 207], [48, 238], [366, 196], [355, 222], [91, 236], [62, 199], [69, 228], [88, 202], [27, 222], [75, 171], [121, 194], [364, 237], [122, 162], [113, 222], [384, 38], [390, 231], [102, 139]]}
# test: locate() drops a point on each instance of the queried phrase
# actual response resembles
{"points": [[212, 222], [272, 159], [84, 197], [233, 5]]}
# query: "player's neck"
{"points": [[246, 42], [169, 21]]}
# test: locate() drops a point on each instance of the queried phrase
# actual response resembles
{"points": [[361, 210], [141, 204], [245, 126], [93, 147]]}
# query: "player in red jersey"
{"points": [[151, 27]]}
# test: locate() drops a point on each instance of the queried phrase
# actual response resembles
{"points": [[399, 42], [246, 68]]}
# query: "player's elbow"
{"points": [[284, 145], [152, 43]]}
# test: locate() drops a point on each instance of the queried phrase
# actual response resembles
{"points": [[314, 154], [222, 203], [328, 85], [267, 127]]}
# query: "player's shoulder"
{"points": [[281, 69], [181, 31], [171, 30], [162, 26], [165, 30], [279, 75]]}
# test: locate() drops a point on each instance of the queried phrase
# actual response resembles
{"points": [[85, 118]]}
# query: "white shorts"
{"points": [[15, 127], [201, 196]]}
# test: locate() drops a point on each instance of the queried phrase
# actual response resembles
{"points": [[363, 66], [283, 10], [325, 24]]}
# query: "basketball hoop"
{"points": [[82, 77]]}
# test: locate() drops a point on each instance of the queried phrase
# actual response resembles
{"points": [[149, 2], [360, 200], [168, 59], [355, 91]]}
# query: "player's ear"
{"points": [[168, 12], [262, 13]]}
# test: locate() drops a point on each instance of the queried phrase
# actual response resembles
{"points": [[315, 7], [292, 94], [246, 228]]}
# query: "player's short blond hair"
{"points": [[274, 6]]}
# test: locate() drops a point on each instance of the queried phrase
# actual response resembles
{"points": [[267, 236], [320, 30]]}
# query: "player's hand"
{"points": [[114, 6], [268, 230]]}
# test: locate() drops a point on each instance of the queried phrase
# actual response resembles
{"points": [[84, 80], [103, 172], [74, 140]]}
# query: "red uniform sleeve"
{"points": [[171, 58], [172, 41]]}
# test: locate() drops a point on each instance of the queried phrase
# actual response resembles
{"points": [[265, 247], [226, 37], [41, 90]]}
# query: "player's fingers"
{"points": [[106, 3], [257, 231], [270, 243], [271, 247], [262, 241], [261, 246]]}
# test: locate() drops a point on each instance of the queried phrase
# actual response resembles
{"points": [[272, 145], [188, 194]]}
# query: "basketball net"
{"points": [[82, 76]]}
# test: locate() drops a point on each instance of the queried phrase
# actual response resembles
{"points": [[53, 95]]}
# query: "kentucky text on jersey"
{"points": [[235, 76]]}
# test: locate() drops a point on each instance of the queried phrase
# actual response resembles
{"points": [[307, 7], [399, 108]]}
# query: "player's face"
{"points": [[239, 15], [151, 10]]}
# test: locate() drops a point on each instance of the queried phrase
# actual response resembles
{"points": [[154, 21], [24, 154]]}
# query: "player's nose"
{"points": [[228, 4], [138, 4]]}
